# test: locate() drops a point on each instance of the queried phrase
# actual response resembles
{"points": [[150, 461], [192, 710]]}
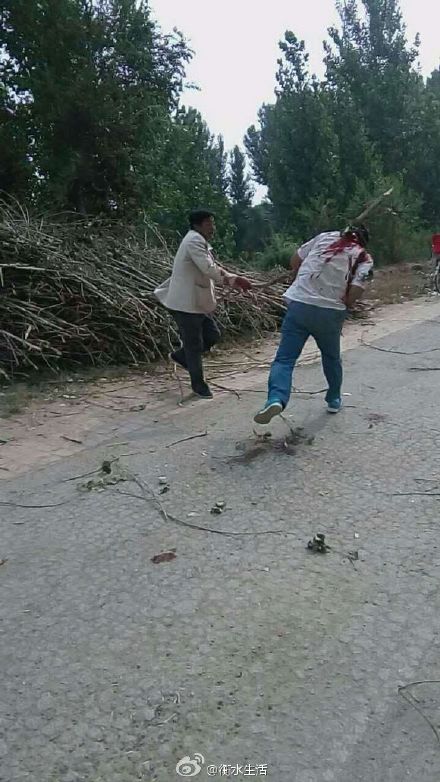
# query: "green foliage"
{"points": [[259, 231], [240, 190], [240, 193], [397, 231], [324, 149], [89, 98], [433, 83], [91, 123], [369, 61], [295, 150], [99, 82], [277, 252], [15, 170], [193, 175]]}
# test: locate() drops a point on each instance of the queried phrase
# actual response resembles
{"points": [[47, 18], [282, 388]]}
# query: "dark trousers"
{"points": [[199, 333]]}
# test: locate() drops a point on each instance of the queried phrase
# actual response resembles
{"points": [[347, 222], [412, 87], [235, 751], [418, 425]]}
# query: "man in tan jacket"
{"points": [[189, 294]]}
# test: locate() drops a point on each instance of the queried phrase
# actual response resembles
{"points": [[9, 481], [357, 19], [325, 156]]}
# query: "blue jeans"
{"points": [[301, 322]]}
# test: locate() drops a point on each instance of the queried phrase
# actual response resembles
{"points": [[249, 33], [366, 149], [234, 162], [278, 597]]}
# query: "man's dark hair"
{"points": [[197, 216], [362, 233]]}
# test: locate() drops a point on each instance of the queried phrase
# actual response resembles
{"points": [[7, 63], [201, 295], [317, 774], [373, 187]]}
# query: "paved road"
{"points": [[244, 648]]}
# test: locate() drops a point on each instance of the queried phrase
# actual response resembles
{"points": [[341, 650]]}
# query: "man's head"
{"points": [[361, 233], [202, 220]]}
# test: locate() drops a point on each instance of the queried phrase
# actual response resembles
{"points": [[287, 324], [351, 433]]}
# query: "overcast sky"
{"points": [[235, 44]]}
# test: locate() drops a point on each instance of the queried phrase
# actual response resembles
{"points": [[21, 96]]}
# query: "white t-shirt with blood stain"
{"points": [[330, 264]]}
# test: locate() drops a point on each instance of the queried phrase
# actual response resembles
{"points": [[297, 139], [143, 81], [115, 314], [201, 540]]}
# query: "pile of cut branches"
{"points": [[75, 293]]}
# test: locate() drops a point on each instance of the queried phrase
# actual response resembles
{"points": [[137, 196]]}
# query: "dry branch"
{"points": [[76, 293]]}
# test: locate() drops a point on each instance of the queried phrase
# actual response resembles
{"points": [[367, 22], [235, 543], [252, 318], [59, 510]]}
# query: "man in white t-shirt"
{"points": [[329, 276]]}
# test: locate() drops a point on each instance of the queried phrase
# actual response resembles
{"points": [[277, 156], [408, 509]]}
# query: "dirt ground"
{"points": [[402, 282]]}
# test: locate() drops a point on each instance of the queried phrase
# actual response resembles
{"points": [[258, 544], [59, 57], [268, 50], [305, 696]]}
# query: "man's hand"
{"points": [[242, 283], [354, 293], [295, 263], [239, 283]]}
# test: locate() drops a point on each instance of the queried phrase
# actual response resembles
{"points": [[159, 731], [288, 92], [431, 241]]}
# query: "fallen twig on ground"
{"points": [[77, 477], [398, 352], [186, 439], [415, 494], [120, 388], [63, 415], [423, 369], [33, 507], [106, 462], [175, 375], [309, 393], [225, 388], [264, 391], [239, 391], [148, 495], [132, 409], [410, 700]]}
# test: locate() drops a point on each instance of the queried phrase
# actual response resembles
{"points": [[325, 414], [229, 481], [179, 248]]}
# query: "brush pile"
{"points": [[78, 293]]}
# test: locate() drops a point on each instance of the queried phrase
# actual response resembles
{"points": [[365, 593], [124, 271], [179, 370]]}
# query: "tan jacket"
{"points": [[191, 285]]}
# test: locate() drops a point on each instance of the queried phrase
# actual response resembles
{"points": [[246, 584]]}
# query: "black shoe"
{"points": [[173, 357], [204, 391]]}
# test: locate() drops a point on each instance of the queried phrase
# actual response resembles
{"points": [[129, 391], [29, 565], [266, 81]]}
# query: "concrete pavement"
{"points": [[245, 648]]}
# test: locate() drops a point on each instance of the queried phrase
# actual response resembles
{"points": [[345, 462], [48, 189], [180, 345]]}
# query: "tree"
{"points": [[15, 167], [324, 149], [368, 61], [241, 191], [219, 165], [294, 152], [433, 83], [259, 227], [371, 65], [240, 194], [100, 82], [94, 126], [397, 231], [422, 172], [359, 160], [193, 175]]}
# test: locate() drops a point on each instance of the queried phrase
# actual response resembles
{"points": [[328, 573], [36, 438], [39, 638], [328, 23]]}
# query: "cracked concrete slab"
{"points": [[245, 648]]}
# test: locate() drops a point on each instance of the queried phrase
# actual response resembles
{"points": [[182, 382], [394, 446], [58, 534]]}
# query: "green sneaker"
{"points": [[334, 405], [269, 411]]}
